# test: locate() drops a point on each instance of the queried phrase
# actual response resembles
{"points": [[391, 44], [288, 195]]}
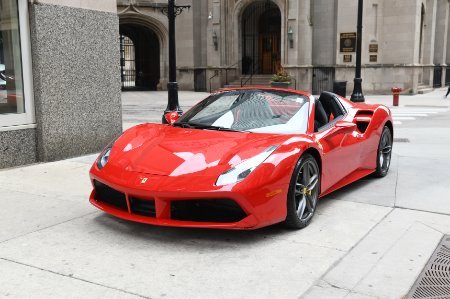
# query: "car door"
{"points": [[340, 144]]}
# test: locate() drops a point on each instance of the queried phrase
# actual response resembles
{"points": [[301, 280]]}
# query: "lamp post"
{"points": [[357, 95], [172, 11]]}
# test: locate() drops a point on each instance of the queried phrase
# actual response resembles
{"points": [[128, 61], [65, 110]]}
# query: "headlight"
{"points": [[104, 156], [243, 169]]}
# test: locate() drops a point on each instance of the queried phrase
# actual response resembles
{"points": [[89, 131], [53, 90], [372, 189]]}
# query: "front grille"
{"points": [[143, 207], [110, 196], [208, 210]]}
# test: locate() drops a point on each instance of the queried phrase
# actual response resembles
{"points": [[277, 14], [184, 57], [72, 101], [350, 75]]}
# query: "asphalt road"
{"points": [[368, 240]]}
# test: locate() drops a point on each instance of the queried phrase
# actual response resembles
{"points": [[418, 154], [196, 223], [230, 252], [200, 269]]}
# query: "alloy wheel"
{"points": [[307, 190], [385, 150]]}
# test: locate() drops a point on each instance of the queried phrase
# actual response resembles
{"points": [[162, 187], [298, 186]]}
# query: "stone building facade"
{"points": [[405, 43], [60, 79]]}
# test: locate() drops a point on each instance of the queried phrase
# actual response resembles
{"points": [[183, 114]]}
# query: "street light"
{"points": [[172, 11], [290, 34], [357, 95]]}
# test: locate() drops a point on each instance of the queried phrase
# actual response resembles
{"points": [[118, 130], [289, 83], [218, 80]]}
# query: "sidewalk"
{"points": [[368, 240]]}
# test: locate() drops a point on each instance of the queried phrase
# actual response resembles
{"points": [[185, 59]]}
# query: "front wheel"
{"points": [[384, 153], [303, 192]]}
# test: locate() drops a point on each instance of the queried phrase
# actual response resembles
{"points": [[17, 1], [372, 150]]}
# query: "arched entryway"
{"points": [[261, 38], [139, 57]]}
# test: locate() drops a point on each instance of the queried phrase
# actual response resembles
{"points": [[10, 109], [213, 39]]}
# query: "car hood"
{"points": [[172, 151]]}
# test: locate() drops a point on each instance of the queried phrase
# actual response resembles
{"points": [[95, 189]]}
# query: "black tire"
{"points": [[384, 153], [303, 194]]}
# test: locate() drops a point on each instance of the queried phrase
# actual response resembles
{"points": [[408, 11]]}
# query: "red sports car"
{"points": [[242, 159]]}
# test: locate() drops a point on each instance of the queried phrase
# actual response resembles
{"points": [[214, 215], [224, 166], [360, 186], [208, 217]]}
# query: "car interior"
{"points": [[328, 110]]}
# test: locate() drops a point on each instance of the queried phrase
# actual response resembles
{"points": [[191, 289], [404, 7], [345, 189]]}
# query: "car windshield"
{"points": [[263, 111]]}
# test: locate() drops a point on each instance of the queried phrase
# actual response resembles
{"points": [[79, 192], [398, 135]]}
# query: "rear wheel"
{"points": [[303, 192], [384, 153]]}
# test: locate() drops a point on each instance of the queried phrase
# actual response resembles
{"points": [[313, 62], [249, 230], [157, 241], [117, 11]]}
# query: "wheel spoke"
{"points": [[309, 206], [387, 149], [299, 186], [313, 182], [306, 174], [301, 207]]}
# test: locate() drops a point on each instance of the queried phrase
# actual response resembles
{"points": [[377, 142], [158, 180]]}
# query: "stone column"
{"points": [[304, 40], [440, 41], [304, 32], [76, 77]]}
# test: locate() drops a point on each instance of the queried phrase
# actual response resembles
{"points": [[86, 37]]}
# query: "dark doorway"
{"points": [[139, 58], [261, 38], [323, 78]]}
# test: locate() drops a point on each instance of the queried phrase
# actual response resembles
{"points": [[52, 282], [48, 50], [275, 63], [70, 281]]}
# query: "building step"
{"points": [[422, 89], [257, 80]]}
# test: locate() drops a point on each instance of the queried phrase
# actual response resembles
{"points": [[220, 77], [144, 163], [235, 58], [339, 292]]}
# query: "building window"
{"points": [[16, 100]]}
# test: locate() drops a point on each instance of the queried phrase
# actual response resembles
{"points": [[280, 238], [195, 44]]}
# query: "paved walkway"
{"points": [[368, 240]]}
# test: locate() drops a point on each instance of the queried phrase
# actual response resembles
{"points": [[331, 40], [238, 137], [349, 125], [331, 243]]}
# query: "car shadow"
{"points": [[193, 236]]}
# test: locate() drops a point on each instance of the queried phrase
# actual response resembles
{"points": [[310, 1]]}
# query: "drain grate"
{"points": [[404, 140], [434, 281]]}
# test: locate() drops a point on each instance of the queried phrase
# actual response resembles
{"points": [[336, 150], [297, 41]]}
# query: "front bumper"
{"points": [[161, 201]]}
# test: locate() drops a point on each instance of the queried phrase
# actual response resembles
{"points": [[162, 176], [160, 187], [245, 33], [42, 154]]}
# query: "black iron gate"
{"points": [[437, 77], [323, 78], [127, 62]]}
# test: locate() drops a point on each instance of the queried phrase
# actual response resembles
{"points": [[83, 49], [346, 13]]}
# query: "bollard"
{"points": [[395, 94]]}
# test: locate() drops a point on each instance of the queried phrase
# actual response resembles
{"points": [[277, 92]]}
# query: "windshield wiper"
{"points": [[219, 128], [209, 127], [204, 127], [182, 125]]}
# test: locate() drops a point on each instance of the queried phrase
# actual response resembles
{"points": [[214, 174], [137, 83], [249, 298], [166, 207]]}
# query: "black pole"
{"points": [[172, 86], [357, 95]]}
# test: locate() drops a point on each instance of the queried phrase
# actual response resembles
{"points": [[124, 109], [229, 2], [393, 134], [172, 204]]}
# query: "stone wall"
{"points": [[17, 147]]}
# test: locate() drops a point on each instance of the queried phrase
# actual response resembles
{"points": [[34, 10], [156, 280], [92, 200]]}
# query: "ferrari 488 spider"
{"points": [[242, 159]]}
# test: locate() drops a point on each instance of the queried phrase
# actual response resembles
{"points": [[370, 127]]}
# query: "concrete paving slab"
{"points": [[325, 292], [355, 295], [172, 262], [26, 212], [396, 272], [424, 184], [21, 281], [388, 260], [329, 228], [186, 263], [62, 179]]}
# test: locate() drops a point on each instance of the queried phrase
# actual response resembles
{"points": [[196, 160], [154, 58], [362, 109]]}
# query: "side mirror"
{"points": [[345, 126], [341, 127], [171, 117]]}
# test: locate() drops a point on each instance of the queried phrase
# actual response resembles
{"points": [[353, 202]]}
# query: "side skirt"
{"points": [[352, 177]]}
